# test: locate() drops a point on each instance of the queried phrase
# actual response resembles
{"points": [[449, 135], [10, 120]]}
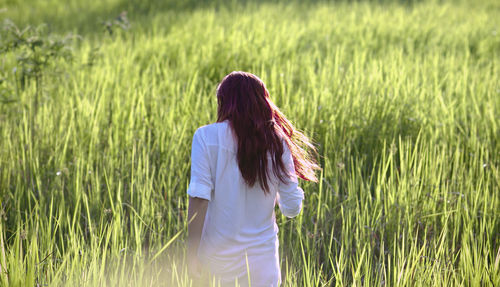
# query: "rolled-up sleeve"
{"points": [[290, 195], [200, 184]]}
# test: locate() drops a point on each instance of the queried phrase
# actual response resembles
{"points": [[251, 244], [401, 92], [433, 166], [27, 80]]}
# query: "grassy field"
{"points": [[401, 97]]}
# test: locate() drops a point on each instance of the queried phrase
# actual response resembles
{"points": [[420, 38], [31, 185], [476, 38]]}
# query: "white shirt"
{"points": [[240, 224]]}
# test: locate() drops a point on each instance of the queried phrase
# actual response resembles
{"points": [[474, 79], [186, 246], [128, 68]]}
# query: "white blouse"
{"points": [[240, 228]]}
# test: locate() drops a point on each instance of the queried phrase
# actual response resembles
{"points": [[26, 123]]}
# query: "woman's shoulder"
{"points": [[212, 128], [216, 134]]}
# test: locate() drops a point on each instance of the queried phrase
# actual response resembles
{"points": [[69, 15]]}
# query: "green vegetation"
{"points": [[402, 98]]}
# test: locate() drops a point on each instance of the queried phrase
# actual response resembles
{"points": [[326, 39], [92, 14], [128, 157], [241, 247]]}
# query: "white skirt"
{"points": [[251, 269]]}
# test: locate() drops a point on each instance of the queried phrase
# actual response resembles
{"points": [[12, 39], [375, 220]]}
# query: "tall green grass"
{"points": [[402, 99]]}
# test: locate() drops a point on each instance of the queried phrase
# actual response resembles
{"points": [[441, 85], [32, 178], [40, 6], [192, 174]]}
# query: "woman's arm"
{"points": [[196, 219], [290, 195]]}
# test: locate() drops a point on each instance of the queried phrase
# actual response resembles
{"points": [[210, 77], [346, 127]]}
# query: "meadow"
{"points": [[98, 109]]}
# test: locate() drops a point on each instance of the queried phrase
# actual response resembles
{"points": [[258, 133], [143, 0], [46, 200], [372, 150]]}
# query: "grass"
{"points": [[402, 99]]}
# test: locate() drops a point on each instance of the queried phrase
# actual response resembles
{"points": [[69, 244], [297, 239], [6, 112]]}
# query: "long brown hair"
{"points": [[260, 128]]}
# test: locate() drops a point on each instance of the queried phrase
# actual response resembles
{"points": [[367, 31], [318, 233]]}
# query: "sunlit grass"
{"points": [[402, 100]]}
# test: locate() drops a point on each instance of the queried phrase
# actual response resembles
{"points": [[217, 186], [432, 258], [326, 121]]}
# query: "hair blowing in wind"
{"points": [[260, 128]]}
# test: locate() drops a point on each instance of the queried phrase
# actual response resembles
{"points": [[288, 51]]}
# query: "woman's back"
{"points": [[240, 223]]}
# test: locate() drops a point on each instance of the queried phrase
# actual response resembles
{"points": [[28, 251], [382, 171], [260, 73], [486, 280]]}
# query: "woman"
{"points": [[240, 167]]}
